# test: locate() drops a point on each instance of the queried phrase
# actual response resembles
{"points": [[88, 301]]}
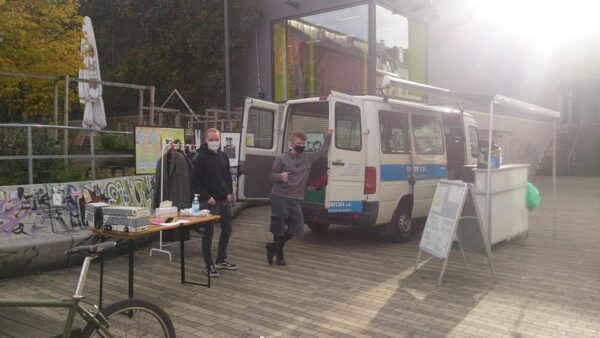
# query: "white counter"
{"points": [[509, 214]]}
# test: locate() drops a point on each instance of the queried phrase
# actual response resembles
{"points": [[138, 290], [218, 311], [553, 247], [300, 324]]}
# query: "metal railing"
{"points": [[92, 156]]}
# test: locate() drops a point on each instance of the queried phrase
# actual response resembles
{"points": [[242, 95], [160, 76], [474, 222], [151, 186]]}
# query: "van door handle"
{"points": [[337, 163]]}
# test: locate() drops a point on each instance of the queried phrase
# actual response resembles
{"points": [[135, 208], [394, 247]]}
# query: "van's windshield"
{"points": [[311, 118]]}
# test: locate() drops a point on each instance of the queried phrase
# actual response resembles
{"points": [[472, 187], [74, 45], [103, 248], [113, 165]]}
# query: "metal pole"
{"points": [[488, 177], [554, 173], [55, 108], [141, 108], [152, 93], [227, 76], [93, 155], [371, 54], [66, 120], [29, 155]]}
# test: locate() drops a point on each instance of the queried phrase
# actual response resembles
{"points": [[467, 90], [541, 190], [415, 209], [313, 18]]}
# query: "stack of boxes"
{"points": [[126, 219]]}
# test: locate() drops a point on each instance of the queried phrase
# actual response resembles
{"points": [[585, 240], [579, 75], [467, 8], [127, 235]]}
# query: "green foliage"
{"points": [[171, 44], [44, 171], [114, 142], [40, 36]]}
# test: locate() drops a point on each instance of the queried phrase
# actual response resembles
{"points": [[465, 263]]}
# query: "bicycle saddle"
{"points": [[90, 249]]}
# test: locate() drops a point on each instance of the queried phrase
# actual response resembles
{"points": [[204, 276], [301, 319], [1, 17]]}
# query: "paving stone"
{"points": [[350, 283]]}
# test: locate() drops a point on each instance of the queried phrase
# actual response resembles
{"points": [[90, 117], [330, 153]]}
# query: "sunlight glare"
{"points": [[546, 23]]}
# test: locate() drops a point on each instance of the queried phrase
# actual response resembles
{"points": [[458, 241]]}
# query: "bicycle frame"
{"points": [[71, 304]]}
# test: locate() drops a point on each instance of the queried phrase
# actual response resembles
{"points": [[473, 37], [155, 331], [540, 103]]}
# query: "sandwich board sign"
{"points": [[453, 216]]}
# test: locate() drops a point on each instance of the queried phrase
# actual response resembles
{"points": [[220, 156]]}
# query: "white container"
{"points": [[166, 212], [509, 214]]}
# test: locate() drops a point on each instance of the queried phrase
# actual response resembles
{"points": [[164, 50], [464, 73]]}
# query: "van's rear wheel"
{"points": [[401, 225], [318, 227]]}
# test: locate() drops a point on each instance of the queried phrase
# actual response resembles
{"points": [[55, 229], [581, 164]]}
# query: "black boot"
{"points": [[271, 250], [280, 260]]}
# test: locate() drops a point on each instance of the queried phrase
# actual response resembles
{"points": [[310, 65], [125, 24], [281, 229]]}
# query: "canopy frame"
{"points": [[495, 100]]}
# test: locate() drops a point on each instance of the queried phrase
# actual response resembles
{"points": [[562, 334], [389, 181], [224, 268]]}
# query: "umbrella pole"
{"points": [[66, 121]]}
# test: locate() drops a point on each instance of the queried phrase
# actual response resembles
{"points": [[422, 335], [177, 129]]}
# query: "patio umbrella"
{"points": [[91, 94]]}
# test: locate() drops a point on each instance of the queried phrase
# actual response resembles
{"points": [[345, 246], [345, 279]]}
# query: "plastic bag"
{"points": [[533, 197]]}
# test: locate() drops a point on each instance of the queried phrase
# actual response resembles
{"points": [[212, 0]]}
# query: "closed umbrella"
{"points": [[91, 94]]}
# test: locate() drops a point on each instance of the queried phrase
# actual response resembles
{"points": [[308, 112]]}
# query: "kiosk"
{"points": [[508, 215]]}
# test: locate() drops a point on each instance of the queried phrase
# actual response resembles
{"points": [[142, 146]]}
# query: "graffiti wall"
{"points": [[39, 222]]}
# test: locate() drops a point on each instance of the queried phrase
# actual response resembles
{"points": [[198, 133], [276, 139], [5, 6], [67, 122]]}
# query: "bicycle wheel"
{"points": [[134, 318]]}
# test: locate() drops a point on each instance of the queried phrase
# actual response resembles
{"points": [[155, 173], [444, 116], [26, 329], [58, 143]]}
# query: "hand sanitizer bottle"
{"points": [[196, 205]]}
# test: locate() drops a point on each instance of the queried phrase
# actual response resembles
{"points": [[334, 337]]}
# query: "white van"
{"points": [[383, 164]]}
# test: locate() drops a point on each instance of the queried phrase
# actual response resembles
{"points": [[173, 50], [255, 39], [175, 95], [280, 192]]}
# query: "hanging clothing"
{"points": [[177, 180]]}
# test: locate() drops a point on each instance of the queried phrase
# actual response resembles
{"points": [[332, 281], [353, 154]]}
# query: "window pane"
{"points": [[428, 134], [260, 128], [318, 53], [474, 140], [347, 127], [400, 49], [394, 132], [311, 118]]}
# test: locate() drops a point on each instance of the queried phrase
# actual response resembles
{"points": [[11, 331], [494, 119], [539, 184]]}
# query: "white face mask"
{"points": [[214, 145]]}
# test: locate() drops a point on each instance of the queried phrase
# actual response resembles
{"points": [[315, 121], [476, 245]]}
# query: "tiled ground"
{"points": [[348, 283]]}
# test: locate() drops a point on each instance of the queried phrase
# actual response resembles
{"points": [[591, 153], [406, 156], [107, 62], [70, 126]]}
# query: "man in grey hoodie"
{"points": [[289, 174]]}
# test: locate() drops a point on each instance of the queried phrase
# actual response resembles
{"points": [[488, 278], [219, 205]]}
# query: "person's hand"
{"points": [[229, 198], [330, 131], [211, 201], [284, 176]]}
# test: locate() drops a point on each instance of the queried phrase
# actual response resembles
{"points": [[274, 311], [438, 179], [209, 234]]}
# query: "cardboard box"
{"points": [[126, 220], [127, 211], [125, 228], [94, 214]]}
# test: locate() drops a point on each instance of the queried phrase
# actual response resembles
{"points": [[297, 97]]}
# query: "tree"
{"points": [[40, 36], [170, 44]]}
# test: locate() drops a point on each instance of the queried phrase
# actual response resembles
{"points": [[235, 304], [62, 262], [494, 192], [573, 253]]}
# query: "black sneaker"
{"points": [[224, 264], [211, 272]]}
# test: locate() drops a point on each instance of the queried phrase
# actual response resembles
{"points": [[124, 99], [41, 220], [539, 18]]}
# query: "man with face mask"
{"points": [[289, 174], [211, 180]]}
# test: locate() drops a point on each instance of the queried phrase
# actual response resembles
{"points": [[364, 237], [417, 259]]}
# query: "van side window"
{"points": [[260, 128], [347, 127], [394, 131], [429, 135], [474, 140]]}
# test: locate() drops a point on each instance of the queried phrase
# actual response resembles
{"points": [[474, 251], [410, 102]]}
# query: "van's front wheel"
{"points": [[318, 227], [401, 225]]}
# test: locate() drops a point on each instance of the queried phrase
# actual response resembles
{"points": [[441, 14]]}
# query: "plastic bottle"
{"points": [[196, 205]]}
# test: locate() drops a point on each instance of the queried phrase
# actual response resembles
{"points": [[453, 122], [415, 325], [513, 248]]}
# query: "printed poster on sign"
{"points": [[230, 145], [314, 141], [149, 142], [438, 199]]}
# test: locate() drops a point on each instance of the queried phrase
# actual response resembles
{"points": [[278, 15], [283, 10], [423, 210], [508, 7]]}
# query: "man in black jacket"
{"points": [[211, 180]]}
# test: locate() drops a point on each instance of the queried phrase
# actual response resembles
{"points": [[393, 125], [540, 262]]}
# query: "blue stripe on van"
{"points": [[401, 172], [345, 206]]}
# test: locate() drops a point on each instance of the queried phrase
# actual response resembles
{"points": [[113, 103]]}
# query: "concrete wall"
{"points": [[35, 232]]}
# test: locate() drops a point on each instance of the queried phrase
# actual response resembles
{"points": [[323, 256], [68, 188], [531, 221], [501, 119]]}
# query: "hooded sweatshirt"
{"points": [[211, 175]]}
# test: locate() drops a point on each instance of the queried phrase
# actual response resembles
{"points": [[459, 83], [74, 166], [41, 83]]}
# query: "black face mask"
{"points": [[299, 149]]}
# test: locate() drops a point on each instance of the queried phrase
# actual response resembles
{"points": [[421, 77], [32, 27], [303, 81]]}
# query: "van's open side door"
{"points": [[259, 146], [346, 157]]}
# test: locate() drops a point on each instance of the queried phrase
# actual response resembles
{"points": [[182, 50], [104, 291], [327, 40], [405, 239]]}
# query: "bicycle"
{"points": [[124, 318]]}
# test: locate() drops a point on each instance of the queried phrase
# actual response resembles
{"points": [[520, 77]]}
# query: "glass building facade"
{"points": [[348, 49]]}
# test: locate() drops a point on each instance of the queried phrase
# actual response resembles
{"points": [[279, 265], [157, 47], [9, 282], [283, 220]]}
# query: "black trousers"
{"points": [[223, 208]]}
